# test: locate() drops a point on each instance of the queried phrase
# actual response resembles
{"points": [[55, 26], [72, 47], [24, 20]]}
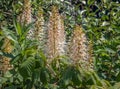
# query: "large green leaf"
{"points": [[44, 76], [26, 68], [11, 87], [77, 78], [9, 34]]}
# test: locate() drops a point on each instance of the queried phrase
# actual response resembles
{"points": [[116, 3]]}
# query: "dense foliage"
{"points": [[100, 20]]}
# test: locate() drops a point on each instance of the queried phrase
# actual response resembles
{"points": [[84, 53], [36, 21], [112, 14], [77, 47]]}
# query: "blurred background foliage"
{"points": [[101, 22]]}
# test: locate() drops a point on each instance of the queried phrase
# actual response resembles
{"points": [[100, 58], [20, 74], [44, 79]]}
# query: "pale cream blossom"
{"points": [[56, 34]]}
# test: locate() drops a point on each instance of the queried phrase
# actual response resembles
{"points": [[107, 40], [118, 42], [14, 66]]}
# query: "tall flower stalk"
{"points": [[6, 61], [26, 17], [79, 50], [56, 34], [39, 29]]}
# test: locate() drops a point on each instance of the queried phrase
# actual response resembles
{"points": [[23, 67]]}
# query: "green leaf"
{"points": [[118, 77], [11, 87], [44, 76], [9, 34], [95, 87], [16, 59], [90, 2], [76, 78], [26, 68], [96, 79], [67, 75], [18, 28], [110, 50], [6, 54], [116, 86], [8, 74]]}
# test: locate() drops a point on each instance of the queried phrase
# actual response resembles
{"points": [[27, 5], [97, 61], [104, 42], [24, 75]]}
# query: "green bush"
{"points": [[30, 68]]}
